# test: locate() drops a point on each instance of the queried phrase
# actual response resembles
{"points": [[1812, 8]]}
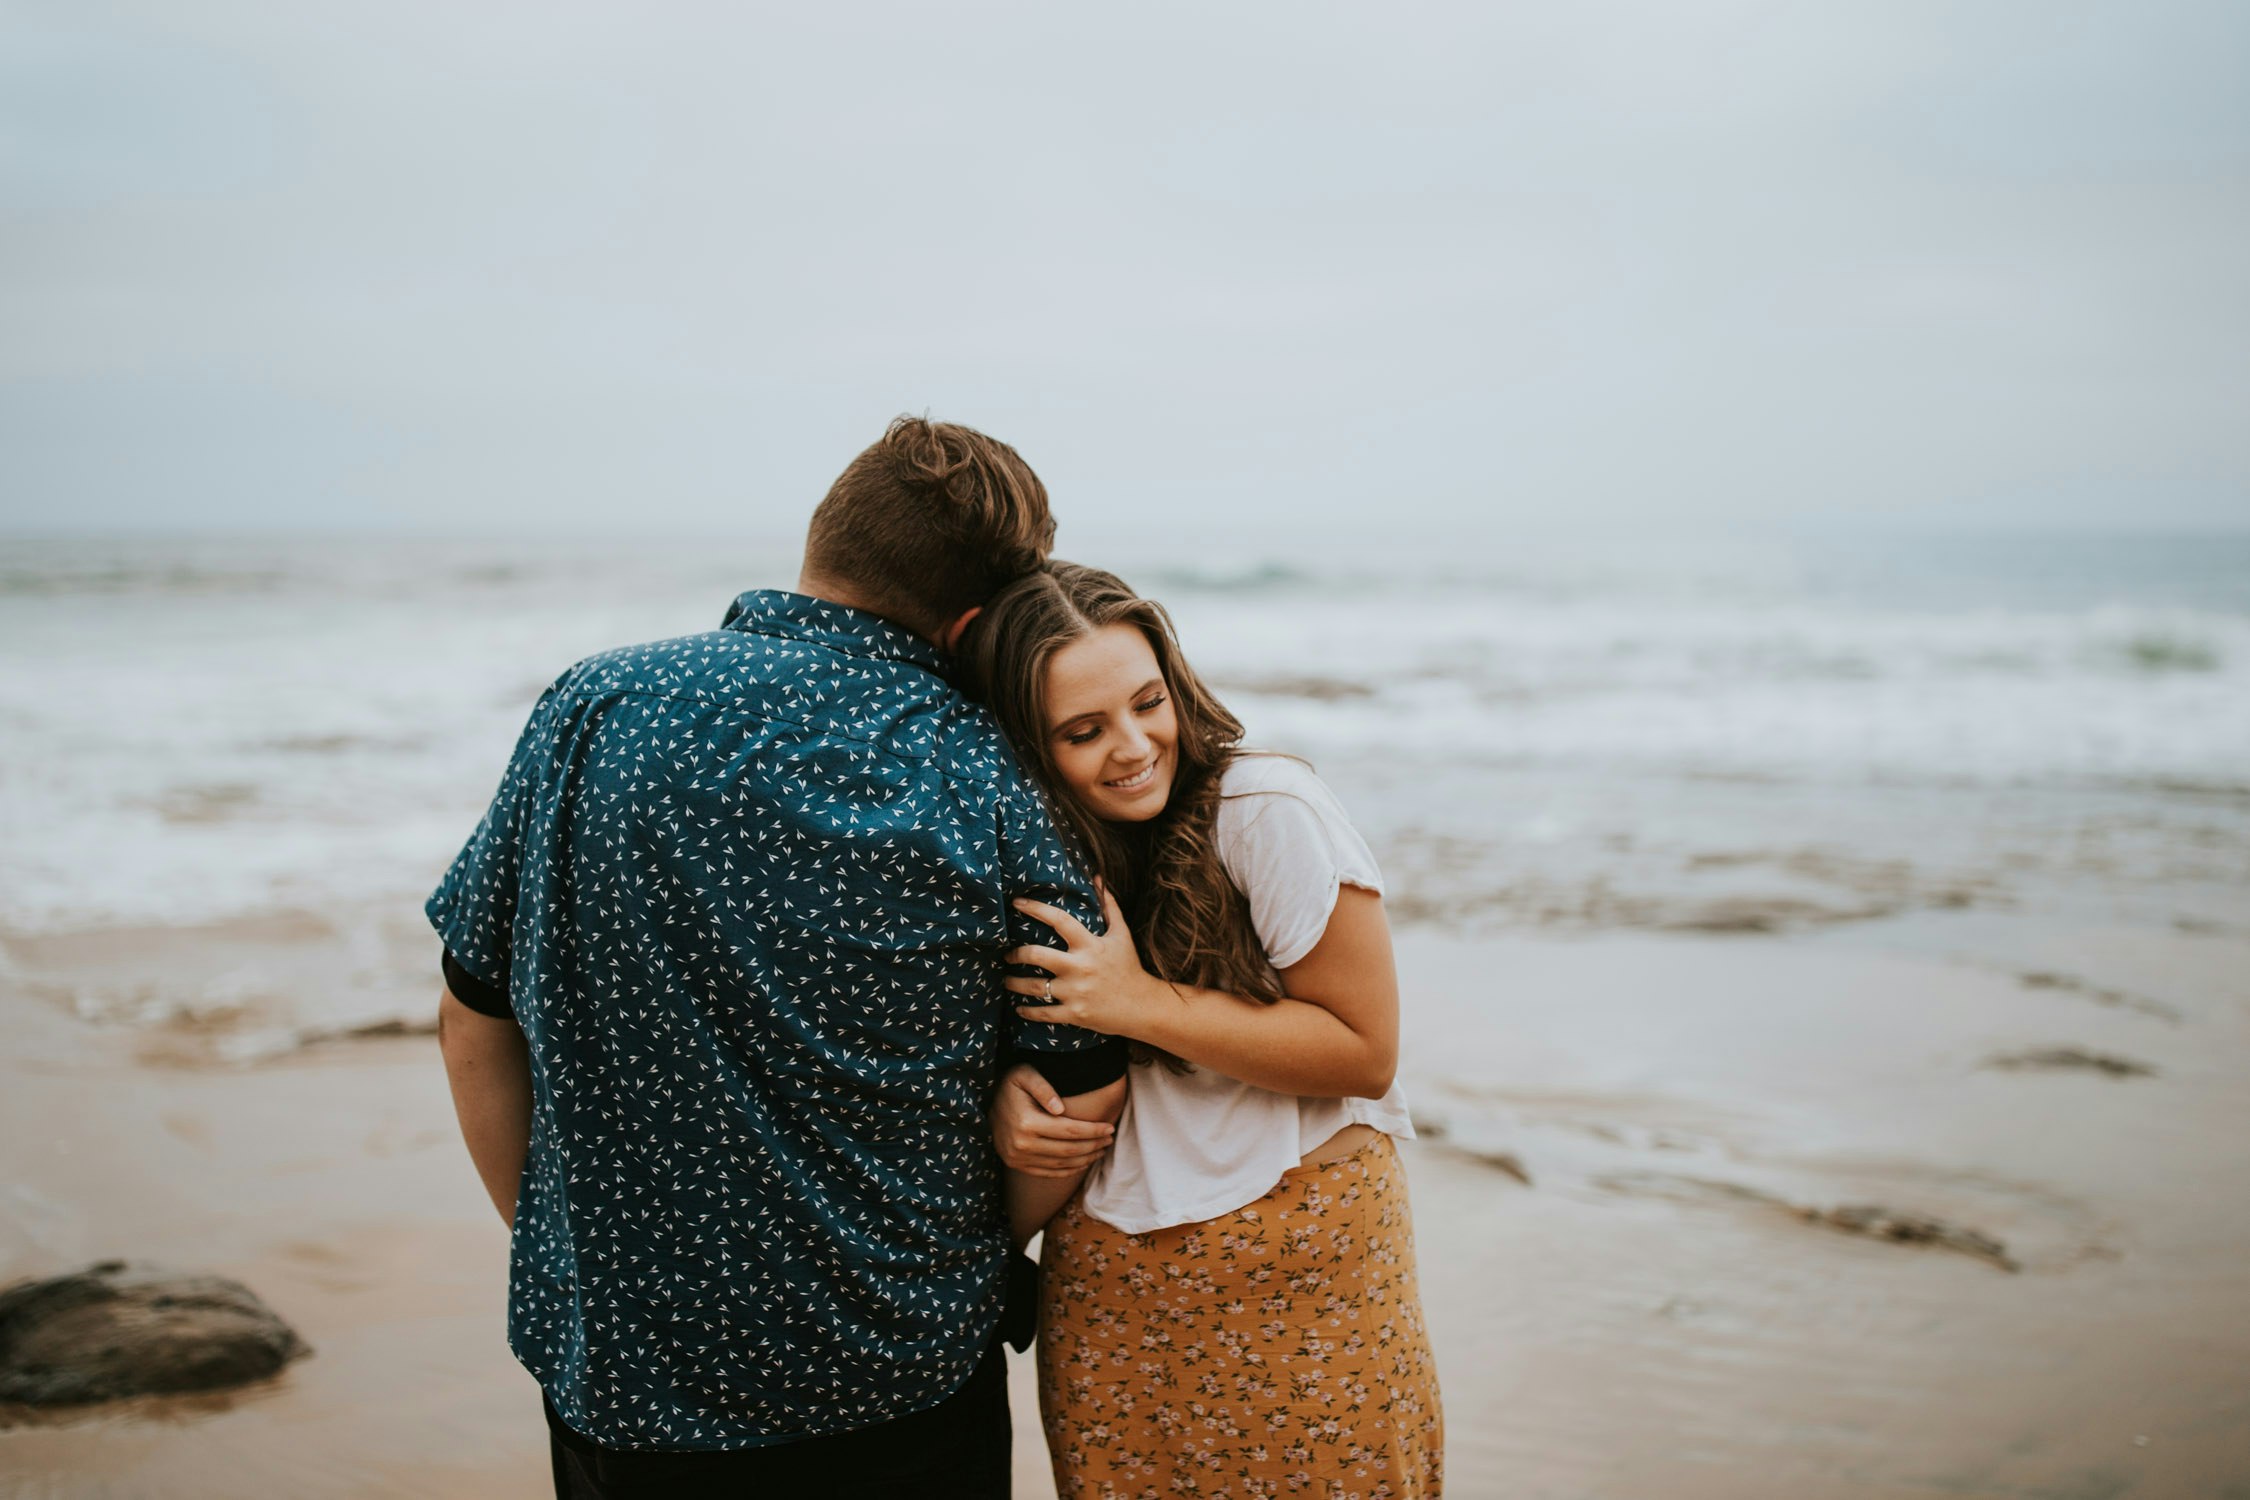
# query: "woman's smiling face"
{"points": [[1111, 729]]}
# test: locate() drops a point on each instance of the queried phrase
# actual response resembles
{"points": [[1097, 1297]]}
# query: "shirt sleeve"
{"points": [[474, 906], [1035, 863], [1288, 847], [484, 999]]}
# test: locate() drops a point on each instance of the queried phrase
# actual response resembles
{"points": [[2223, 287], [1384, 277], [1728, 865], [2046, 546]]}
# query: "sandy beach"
{"points": [[1828, 1002], [1745, 506], [1675, 1303]]}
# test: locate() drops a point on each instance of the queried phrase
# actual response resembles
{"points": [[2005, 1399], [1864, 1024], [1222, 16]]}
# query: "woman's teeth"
{"points": [[1134, 782]]}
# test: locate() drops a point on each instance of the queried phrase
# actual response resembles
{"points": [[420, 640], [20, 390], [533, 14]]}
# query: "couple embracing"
{"points": [[800, 966]]}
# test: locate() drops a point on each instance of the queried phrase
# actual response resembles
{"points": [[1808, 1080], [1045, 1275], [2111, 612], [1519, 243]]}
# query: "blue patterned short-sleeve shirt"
{"points": [[747, 893]]}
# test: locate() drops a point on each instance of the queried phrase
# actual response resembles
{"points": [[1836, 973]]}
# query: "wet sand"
{"points": [[1654, 1316], [1677, 1304]]}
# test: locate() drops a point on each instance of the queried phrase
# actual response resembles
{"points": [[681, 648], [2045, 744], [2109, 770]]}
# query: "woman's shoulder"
{"points": [[1265, 789], [1287, 845], [1255, 772]]}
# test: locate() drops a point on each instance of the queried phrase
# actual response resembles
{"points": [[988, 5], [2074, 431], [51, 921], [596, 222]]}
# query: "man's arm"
{"points": [[489, 1067]]}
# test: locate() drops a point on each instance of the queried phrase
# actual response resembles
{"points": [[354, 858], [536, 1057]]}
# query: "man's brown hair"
{"points": [[931, 521]]}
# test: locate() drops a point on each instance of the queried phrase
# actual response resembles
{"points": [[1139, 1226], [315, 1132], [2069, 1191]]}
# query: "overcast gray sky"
{"points": [[602, 267]]}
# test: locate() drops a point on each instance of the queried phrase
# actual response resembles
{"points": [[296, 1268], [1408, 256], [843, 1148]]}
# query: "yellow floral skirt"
{"points": [[1275, 1350]]}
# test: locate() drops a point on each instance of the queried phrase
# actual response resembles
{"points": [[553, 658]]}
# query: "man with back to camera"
{"points": [[723, 1010]]}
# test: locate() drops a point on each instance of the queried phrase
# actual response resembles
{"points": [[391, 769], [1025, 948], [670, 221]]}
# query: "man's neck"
{"points": [[828, 591]]}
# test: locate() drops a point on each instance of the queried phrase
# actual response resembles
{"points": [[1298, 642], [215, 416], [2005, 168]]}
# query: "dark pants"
{"points": [[956, 1450]]}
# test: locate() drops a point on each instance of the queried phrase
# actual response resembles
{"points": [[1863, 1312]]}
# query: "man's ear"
{"points": [[950, 639]]}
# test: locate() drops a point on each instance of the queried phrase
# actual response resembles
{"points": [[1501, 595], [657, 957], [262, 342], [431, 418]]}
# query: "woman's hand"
{"points": [[1098, 982], [1033, 1135]]}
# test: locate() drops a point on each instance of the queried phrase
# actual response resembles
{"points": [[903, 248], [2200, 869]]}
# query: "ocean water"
{"points": [[1738, 736]]}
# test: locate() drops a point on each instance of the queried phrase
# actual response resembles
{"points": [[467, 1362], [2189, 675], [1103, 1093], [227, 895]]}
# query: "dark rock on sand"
{"points": [[1895, 1226], [372, 1030], [2056, 1059], [2072, 985], [1764, 914], [117, 1329], [1906, 1228], [1504, 1161], [1440, 1132]]}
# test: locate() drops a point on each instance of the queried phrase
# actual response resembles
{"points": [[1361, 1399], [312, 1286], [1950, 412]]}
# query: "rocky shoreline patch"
{"points": [[119, 1329]]}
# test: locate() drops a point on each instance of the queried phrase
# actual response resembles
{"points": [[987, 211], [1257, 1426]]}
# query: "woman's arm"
{"points": [[1049, 1143], [1335, 1036]]}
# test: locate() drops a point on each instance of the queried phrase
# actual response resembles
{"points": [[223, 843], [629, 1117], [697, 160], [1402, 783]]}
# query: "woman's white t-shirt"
{"points": [[1194, 1145]]}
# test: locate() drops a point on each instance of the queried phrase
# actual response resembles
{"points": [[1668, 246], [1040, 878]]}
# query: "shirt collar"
{"points": [[855, 632]]}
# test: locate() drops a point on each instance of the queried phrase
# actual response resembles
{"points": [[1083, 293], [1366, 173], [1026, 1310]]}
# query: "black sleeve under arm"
{"points": [[1078, 1072], [485, 999]]}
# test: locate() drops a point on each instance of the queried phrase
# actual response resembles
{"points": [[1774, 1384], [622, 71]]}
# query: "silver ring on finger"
{"points": [[1049, 983]]}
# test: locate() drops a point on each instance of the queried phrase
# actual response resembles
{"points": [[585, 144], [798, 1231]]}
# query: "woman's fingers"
{"points": [[1038, 1143], [1024, 984], [1062, 1129], [1054, 961], [1052, 1015], [1015, 1145], [1032, 1155], [1066, 926], [1033, 1085], [1051, 1165]]}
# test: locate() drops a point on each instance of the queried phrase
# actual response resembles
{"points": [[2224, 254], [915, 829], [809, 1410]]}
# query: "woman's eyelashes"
{"points": [[1093, 732]]}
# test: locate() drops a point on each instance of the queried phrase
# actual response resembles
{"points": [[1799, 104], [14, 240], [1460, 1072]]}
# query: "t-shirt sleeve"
{"points": [[474, 906], [1287, 845], [1035, 863]]}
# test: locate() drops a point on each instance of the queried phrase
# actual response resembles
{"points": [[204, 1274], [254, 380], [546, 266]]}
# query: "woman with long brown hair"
{"points": [[1228, 1304]]}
